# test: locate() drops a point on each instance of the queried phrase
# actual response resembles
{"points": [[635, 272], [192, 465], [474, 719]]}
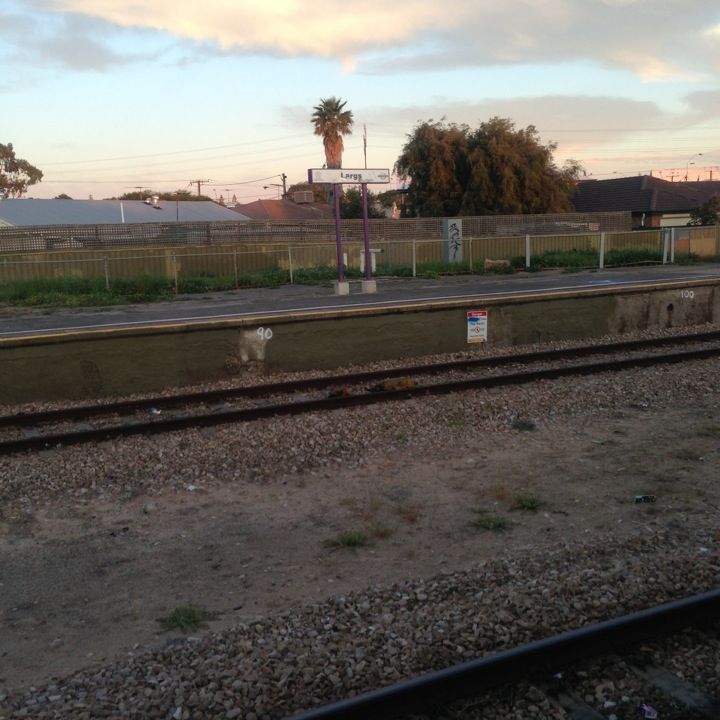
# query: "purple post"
{"points": [[366, 233], [338, 238]]}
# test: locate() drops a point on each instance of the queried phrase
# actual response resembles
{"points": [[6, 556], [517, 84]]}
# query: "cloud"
{"points": [[656, 39], [70, 41], [575, 123], [324, 28]]}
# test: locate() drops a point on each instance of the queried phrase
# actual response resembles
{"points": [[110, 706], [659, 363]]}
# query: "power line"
{"points": [[173, 152]]}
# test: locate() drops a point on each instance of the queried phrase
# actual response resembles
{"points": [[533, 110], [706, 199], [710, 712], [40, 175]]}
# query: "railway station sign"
{"points": [[477, 325], [343, 176]]}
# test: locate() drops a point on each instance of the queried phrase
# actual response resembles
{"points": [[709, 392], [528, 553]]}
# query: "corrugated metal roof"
{"points": [[23, 213]]}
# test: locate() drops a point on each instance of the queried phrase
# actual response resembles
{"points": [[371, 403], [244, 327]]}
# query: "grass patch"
{"points": [[711, 431], [409, 513], [188, 617], [89, 291], [526, 502], [458, 420], [322, 275], [76, 292], [349, 539], [617, 258], [490, 521], [381, 532]]}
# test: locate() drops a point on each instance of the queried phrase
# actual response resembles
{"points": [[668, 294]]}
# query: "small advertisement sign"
{"points": [[477, 324]]}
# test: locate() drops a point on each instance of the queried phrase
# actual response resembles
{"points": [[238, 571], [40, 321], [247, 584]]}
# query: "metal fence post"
{"points": [[175, 272], [672, 245], [107, 274], [602, 250], [665, 246], [290, 265], [470, 260], [414, 257], [235, 268], [527, 250]]}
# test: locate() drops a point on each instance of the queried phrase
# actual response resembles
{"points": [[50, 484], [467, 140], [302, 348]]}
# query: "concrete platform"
{"points": [[90, 353]]}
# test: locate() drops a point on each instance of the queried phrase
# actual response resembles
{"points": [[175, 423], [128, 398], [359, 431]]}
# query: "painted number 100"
{"points": [[687, 294]]}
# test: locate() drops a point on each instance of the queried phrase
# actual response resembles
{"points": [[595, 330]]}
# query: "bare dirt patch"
{"points": [[85, 581]]}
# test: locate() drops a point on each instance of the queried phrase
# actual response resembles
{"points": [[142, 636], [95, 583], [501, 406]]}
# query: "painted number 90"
{"points": [[264, 333], [687, 294]]}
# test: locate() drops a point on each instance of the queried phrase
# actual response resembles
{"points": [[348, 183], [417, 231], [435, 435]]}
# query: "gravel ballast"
{"points": [[584, 446], [354, 643]]}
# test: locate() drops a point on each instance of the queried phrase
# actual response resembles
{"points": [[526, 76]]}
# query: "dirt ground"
{"points": [[85, 582]]}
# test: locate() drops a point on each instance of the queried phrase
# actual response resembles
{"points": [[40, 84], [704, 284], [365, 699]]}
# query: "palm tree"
{"points": [[332, 122]]}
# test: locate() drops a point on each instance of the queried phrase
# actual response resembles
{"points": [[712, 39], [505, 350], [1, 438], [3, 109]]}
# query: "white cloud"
{"points": [[656, 39], [324, 28]]}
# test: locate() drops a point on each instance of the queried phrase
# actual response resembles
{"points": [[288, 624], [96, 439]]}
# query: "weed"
{"points": [[458, 420], [490, 521], [336, 449], [349, 539], [501, 494], [381, 532], [188, 617], [522, 425], [528, 503], [710, 431], [409, 513]]}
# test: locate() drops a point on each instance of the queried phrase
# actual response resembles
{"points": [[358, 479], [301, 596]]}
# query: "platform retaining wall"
{"points": [[120, 362]]}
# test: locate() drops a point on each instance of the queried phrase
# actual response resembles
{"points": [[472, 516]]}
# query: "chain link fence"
{"points": [[237, 262]]}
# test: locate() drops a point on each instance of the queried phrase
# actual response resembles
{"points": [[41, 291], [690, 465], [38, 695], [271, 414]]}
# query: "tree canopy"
{"points": [[351, 205], [494, 169], [331, 122], [16, 174], [707, 213], [185, 195]]}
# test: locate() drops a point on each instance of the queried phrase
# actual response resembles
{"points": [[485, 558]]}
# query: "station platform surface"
{"points": [[304, 300]]}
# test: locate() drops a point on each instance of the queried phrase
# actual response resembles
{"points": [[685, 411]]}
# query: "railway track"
{"points": [[158, 414], [561, 668]]}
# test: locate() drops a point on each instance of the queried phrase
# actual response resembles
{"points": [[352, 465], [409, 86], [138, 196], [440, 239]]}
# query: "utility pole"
{"points": [[365, 143], [284, 180], [199, 183]]}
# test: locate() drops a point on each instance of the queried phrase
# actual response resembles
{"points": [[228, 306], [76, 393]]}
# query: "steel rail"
{"points": [[521, 663], [38, 442], [124, 407]]}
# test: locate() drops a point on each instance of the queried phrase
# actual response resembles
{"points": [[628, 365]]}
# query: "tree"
{"points": [[16, 175], [331, 123], [351, 205], [435, 159], [707, 213], [62, 196], [184, 195], [494, 169]]}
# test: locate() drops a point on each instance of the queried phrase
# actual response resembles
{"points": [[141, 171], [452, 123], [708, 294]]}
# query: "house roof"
{"points": [[643, 193], [25, 213], [284, 210]]}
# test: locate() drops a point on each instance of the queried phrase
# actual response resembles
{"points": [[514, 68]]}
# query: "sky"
{"points": [[106, 96]]}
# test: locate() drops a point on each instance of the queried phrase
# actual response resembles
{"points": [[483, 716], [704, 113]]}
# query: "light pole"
{"points": [[688, 164], [275, 185]]}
